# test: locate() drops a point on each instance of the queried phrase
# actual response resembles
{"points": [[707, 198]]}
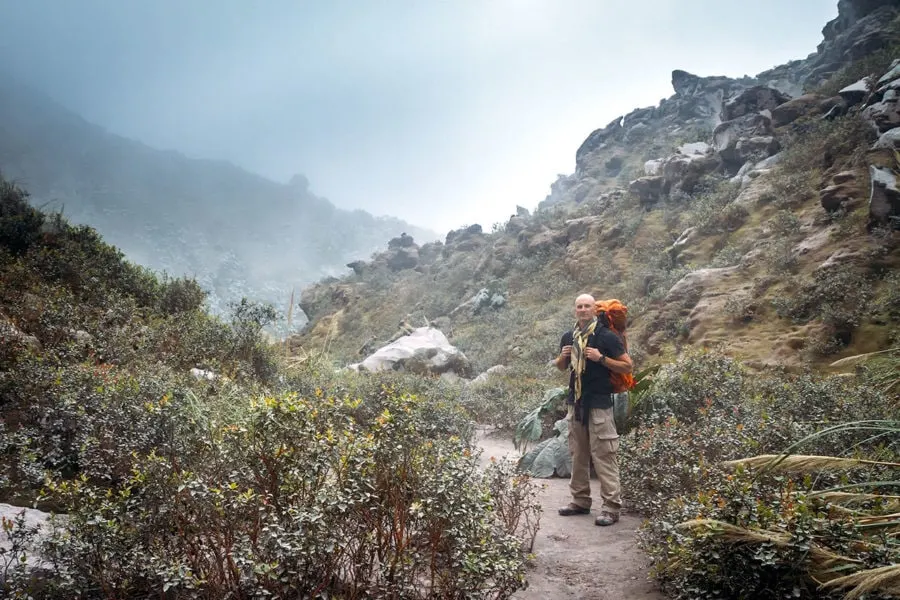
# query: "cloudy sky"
{"points": [[441, 112]]}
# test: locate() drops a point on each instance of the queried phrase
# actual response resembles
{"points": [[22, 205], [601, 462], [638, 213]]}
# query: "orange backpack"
{"points": [[617, 318]]}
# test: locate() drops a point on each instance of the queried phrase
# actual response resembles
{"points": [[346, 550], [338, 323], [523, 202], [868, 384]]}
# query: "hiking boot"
{"points": [[573, 509], [606, 518]]}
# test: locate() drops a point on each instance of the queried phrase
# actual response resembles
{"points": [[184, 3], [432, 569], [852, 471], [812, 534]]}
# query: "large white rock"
{"points": [[425, 350], [653, 167], [33, 519], [495, 371], [694, 149]]}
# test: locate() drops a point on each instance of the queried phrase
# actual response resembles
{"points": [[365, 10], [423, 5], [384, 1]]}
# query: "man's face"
{"points": [[584, 308]]}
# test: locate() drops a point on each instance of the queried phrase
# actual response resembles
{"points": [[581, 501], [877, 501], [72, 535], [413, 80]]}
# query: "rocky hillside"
{"points": [[237, 233], [757, 213]]}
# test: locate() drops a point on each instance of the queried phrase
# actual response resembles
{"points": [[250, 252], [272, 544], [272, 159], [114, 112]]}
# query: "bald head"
{"points": [[584, 298], [584, 309]]}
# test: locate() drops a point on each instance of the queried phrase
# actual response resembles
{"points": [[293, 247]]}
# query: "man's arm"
{"points": [[562, 360], [622, 364], [613, 356]]}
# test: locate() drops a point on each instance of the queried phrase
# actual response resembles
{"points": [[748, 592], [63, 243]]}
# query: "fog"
{"points": [[440, 113]]}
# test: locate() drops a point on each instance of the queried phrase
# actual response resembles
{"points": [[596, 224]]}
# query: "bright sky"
{"points": [[443, 113]]}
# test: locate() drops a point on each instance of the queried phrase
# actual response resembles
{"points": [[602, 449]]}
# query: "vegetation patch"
{"points": [[721, 526]]}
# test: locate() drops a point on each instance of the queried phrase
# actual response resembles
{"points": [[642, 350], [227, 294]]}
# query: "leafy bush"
{"points": [[837, 296], [503, 399], [728, 256], [814, 146], [296, 497], [712, 210], [710, 528], [20, 225]]}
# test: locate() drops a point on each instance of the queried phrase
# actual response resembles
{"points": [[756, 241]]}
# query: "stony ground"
{"points": [[574, 558]]}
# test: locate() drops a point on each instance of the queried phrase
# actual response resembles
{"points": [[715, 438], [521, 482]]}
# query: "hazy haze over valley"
{"points": [[441, 114]]}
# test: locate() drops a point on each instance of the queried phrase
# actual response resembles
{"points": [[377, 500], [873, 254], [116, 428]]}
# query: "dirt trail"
{"points": [[575, 558]]}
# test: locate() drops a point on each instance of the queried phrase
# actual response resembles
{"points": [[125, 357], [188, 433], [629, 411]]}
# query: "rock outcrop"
{"points": [[884, 198], [615, 221]]}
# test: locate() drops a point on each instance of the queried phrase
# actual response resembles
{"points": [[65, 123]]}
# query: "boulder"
{"points": [[839, 196], [595, 140], [577, 229], [884, 198], [425, 351], [647, 189], [430, 252], [653, 167], [403, 241], [790, 111], [884, 115], [757, 147], [10, 335], [889, 140], [463, 233], [463, 240], [531, 243], [203, 374], [694, 149], [855, 93], [406, 257], [483, 298], [753, 100], [495, 371], [727, 135], [682, 172], [841, 192], [36, 527], [358, 266], [684, 83], [516, 224], [892, 74]]}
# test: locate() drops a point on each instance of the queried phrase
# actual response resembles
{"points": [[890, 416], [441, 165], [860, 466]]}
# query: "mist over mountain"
{"points": [[442, 114], [238, 233]]}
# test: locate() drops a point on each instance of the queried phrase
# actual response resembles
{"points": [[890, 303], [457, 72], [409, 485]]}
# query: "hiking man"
{"points": [[591, 351]]}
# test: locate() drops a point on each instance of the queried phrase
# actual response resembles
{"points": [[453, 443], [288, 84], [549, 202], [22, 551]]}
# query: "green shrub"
{"points": [[504, 399], [836, 296], [181, 296], [20, 225], [298, 497], [728, 256], [706, 409], [712, 208]]}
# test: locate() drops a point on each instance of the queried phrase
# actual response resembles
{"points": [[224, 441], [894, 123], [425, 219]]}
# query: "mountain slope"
{"points": [[236, 232], [732, 213]]}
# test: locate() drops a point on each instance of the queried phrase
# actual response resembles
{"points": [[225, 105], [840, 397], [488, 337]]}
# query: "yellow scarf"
{"points": [[579, 343]]}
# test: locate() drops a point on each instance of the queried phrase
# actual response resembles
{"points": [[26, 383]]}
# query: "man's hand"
{"points": [[592, 354], [562, 361]]}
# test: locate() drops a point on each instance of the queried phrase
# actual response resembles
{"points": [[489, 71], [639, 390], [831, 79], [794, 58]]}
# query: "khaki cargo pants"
{"points": [[598, 443]]}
